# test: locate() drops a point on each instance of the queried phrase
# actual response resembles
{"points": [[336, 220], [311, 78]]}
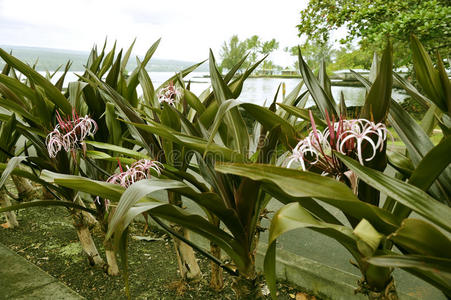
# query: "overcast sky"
{"points": [[187, 28]]}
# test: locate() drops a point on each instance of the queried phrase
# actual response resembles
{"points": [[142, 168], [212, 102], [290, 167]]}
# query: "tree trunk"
{"points": [[188, 266], [11, 220], [217, 280], [85, 237], [113, 268], [25, 190]]}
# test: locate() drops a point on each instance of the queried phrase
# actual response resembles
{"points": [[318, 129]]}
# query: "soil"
{"points": [[46, 238]]}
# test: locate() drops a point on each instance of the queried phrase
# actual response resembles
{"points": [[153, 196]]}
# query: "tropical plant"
{"points": [[204, 131], [373, 231]]}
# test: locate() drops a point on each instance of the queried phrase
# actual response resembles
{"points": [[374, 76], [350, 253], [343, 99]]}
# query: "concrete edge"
{"points": [[41, 291], [315, 277]]}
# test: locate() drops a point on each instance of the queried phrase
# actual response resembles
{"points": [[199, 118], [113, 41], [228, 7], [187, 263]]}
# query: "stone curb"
{"points": [[21, 279]]}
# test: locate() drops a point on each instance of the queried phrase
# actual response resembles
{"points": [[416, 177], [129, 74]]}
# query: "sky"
{"points": [[188, 28]]}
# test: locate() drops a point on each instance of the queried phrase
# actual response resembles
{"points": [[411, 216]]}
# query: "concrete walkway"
{"points": [[20, 279]]}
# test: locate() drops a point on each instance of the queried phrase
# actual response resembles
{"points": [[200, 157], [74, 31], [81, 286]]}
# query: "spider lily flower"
{"points": [[349, 137], [170, 94], [139, 170], [70, 134]]}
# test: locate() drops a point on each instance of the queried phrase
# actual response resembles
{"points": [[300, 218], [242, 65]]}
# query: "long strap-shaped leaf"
{"points": [[377, 101], [418, 145], [307, 184], [320, 97], [294, 216], [131, 196], [407, 194], [52, 92], [233, 120]]}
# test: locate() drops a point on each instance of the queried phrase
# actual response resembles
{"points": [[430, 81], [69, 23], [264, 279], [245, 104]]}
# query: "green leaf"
{"points": [[434, 264], [182, 74], [305, 184], [94, 187], [12, 164], [191, 142], [367, 234], [407, 194], [411, 90], [418, 145], [294, 216], [127, 56], [400, 162], [118, 149], [113, 125], [52, 92], [420, 237], [201, 226], [426, 74], [233, 118], [320, 97], [377, 102], [432, 165], [137, 191], [303, 114]]}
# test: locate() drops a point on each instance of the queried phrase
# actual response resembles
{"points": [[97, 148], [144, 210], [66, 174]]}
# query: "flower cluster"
{"points": [[349, 137], [70, 134], [139, 170], [170, 94]]}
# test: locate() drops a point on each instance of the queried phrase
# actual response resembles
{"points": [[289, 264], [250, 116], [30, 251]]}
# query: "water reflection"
{"points": [[257, 90]]}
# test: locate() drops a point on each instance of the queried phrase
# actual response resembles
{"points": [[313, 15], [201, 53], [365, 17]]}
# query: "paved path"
{"points": [[19, 279]]}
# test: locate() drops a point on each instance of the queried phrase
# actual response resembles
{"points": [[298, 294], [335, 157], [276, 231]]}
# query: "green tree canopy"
{"points": [[234, 50], [371, 21]]}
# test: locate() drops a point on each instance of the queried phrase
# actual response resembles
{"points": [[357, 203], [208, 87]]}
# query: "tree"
{"points": [[313, 53], [234, 50], [371, 21]]}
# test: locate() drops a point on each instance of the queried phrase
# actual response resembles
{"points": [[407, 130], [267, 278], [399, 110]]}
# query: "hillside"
{"points": [[51, 59]]}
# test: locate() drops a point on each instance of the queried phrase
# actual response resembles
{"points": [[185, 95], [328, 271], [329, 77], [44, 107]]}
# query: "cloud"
{"points": [[188, 28]]}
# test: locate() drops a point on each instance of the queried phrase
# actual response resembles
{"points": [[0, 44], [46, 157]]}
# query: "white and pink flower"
{"points": [[349, 137], [170, 94], [70, 134]]}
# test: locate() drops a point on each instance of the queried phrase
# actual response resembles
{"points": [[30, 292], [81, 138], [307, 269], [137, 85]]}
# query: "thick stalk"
{"points": [[188, 266], [113, 268], [11, 220], [85, 237], [25, 190], [386, 293], [246, 287], [217, 279]]}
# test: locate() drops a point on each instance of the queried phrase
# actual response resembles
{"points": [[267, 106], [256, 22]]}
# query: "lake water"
{"points": [[257, 90]]}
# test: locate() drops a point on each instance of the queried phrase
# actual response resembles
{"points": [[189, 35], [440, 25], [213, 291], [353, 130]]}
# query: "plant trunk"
{"points": [[46, 195], [113, 268], [85, 237], [246, 287], [387, 293], [217, 280], [11, 220], [25, 190], [88, 219], [188, 266]]}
